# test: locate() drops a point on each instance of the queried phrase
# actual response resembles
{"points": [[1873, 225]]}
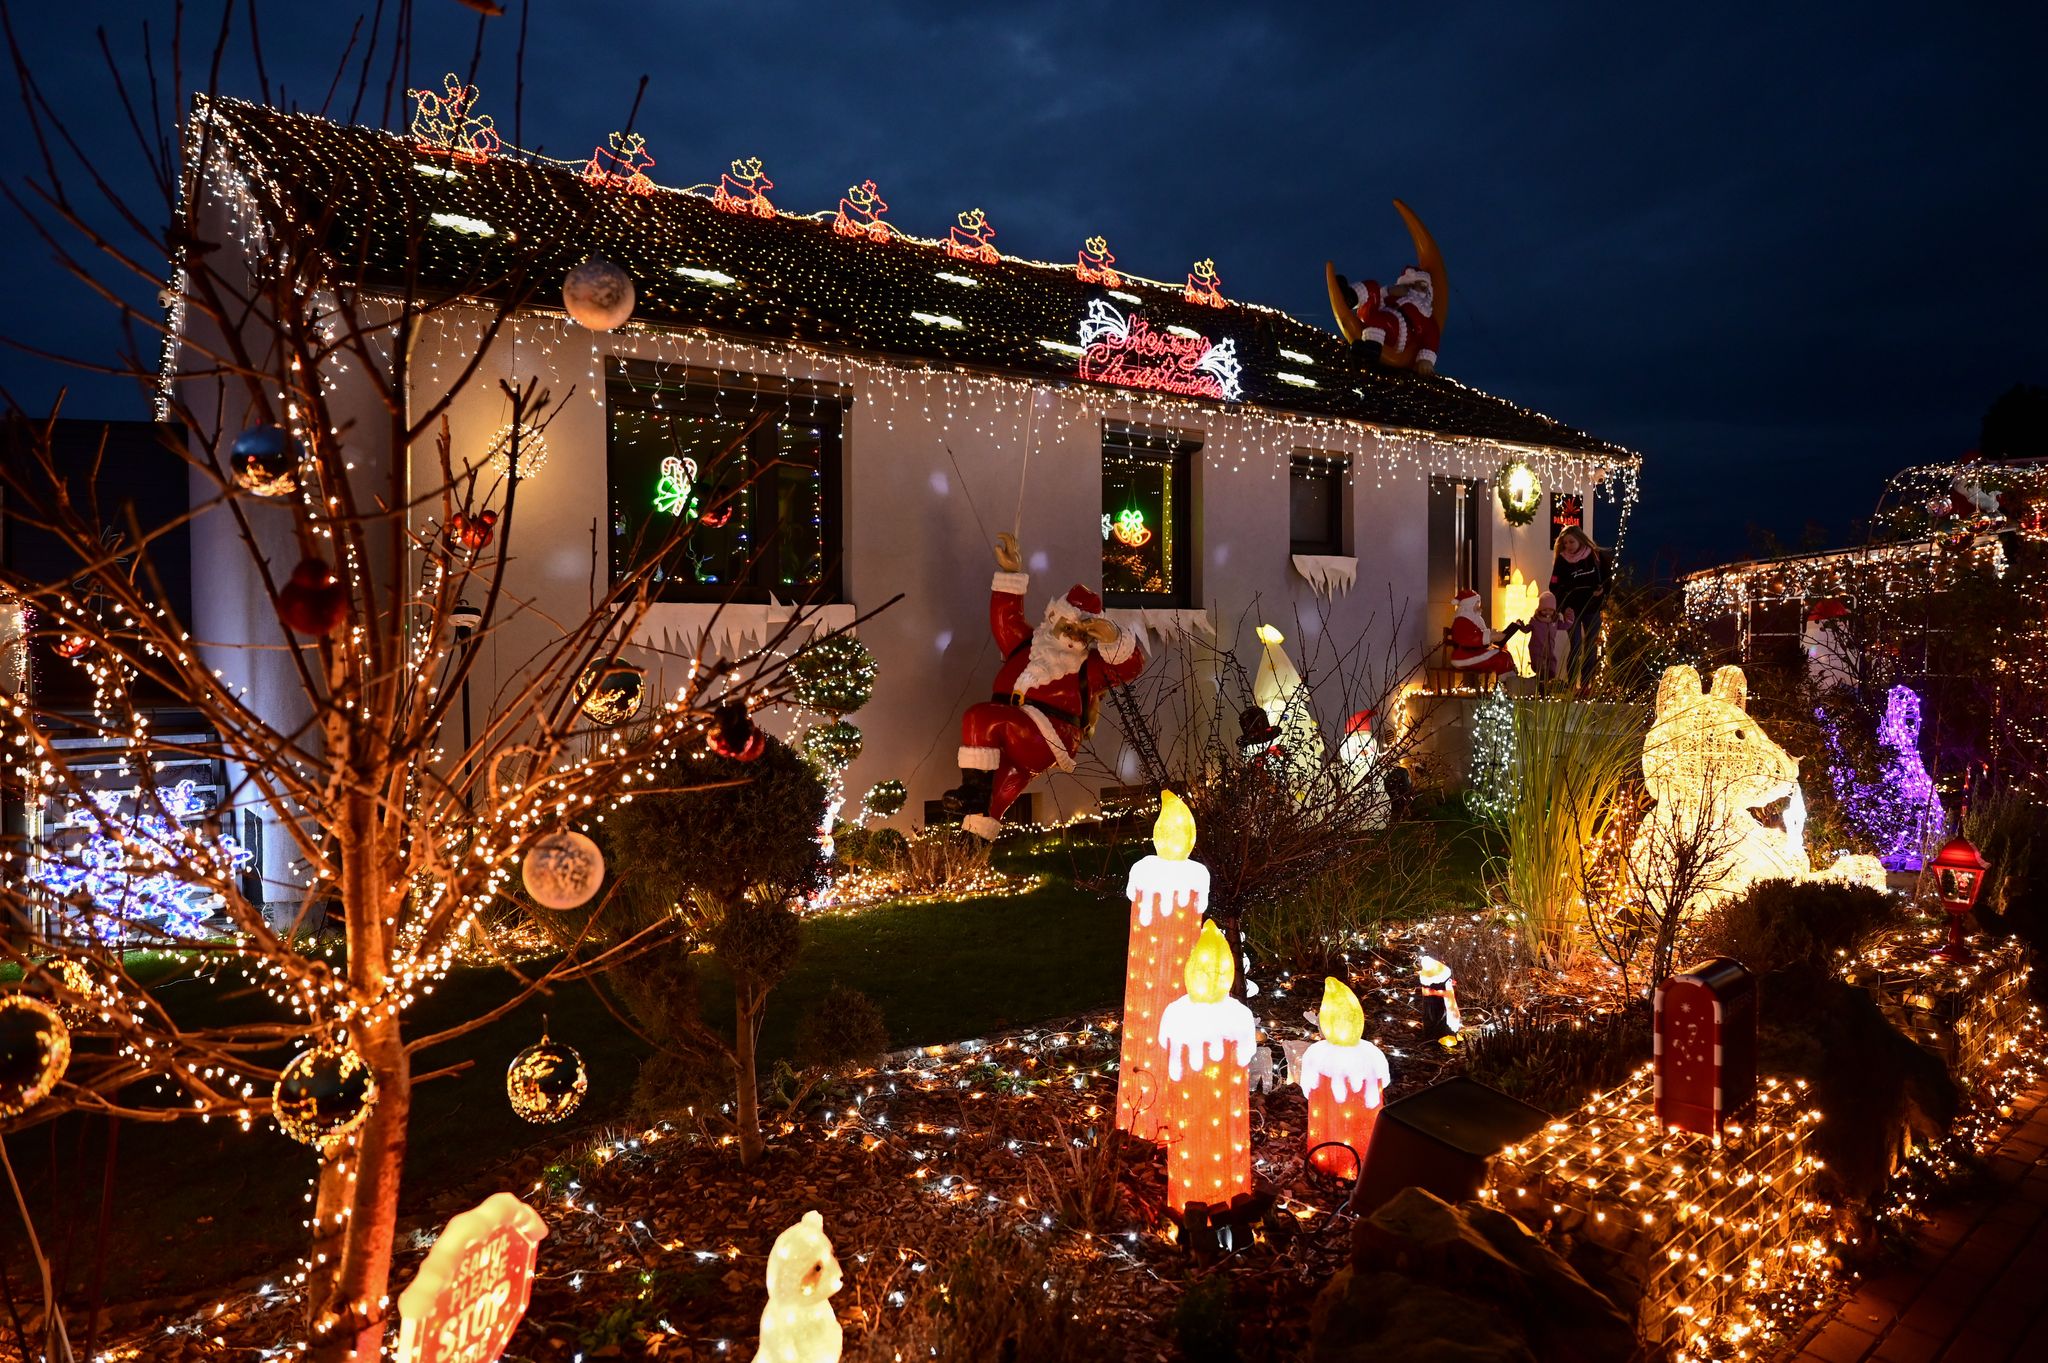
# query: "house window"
{"points": [[1315, 504], [1145, 517], [729, 485]]}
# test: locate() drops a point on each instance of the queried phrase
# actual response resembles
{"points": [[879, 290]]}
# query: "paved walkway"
{"points": [[1976, 1287]]}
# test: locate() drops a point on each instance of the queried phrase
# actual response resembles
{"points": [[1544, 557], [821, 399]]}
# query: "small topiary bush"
{"points": [[845, 1028], [1781, 923]]}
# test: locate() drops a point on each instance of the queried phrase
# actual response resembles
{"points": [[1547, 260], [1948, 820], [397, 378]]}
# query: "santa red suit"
{"points": [[1401, 320], [1473, 647], [1045, 698]]}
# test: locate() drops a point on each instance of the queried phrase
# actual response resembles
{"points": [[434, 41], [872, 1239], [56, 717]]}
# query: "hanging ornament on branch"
{"points": [[734, 734], [598, 294], [546, 1081], [562, 870], [265, 460], [313, 600], [1520, 492], [324, 1094], [35, 1050], [610, 691], [467, 531]]}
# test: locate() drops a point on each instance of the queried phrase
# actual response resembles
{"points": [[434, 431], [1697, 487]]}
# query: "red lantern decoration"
{"points": [[1705, 1033], [1959, 870], [314, 601]]}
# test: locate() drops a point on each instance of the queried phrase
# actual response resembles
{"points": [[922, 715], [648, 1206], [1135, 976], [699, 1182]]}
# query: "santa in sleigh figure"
{"points": [[1475, 648], [1047, 693]]}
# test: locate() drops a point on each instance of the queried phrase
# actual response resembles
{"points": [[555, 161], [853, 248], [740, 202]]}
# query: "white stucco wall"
{"points": [[918, 520]]}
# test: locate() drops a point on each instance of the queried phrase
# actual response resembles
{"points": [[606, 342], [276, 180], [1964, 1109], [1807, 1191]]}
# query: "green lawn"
{"points": [[196, 1205]]}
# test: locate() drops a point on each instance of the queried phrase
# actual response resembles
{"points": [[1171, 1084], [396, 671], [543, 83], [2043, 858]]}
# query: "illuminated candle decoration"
{"points": [[1208, 1038], [1166, 891], [474, 1286], [35, 1050], [1441, 1020], [1518, 602], [1345, 1077], [797, 1325], [860, 213], [562, 870], [326, 1092], [1205, 286], [972, 238], [622, 165], [1095, 265], [745, 189]]}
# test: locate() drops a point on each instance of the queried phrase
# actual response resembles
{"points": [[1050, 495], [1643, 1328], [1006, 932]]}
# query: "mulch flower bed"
{"points": [[657, 1237]]}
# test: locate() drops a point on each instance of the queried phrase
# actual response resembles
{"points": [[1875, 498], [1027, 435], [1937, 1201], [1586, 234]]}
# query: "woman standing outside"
{"points": [[1579, 580]]}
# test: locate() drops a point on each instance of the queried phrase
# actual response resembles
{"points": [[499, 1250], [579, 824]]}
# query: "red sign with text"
{"points": [[472, 1291]]}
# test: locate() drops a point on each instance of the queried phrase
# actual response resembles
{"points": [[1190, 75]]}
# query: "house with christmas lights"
{"points": [[852, 412]]}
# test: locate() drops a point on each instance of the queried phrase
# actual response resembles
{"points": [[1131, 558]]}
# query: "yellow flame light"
{"points": [[1210, 970], [1268, 635], [1341, 1018], [1173, 832]]}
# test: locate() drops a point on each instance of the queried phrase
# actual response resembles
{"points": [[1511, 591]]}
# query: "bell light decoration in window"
{"points": [[1145, 521], [730, 481], [1315, 504]]}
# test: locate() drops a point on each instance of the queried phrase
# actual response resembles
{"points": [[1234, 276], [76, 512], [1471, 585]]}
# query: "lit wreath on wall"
{"points": [[1520, 492]]}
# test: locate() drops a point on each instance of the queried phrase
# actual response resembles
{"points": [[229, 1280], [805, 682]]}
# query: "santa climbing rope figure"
{"points": [[1046, 696]]}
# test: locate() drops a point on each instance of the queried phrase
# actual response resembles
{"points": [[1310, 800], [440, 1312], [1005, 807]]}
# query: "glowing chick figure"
{"points": [[1345, 1077], [1166, 891], [798, 1326], [1208, 1038]]}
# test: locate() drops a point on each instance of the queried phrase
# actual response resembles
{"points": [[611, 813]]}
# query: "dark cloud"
{"points": [[1781, 252]]}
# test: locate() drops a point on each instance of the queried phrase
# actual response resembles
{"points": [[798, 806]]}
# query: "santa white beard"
{"points": [[1469, 610], [1053, 656]]}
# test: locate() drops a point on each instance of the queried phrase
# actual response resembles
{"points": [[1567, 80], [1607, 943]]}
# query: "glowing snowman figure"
{"points": [[797, 1325]]}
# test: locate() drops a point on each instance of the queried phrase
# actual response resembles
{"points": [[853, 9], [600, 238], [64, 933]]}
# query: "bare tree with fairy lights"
{"points": [[380, 564]]}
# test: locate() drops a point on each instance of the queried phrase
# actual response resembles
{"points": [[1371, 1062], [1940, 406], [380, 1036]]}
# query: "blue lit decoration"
{"points": [[125, 864]]}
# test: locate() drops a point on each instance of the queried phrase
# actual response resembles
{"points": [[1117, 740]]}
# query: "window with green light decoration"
{"points": [[742, 470], [1145, 517]]}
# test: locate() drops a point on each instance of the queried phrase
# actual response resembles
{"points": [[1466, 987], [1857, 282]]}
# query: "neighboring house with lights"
{"points": [[1207, 463]]}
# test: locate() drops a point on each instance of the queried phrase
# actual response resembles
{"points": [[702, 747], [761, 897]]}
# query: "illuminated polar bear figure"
{"points": [[1708, 765], [798, 1326]]}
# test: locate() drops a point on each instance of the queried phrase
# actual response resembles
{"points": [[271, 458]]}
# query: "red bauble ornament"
{"points": [[314, 601], [469, 532], [734, 735], [70, 645]]}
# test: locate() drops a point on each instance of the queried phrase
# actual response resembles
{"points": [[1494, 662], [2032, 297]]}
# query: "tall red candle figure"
{"points": [[1166, 891], [1345, 1076], [1208, 1038]]}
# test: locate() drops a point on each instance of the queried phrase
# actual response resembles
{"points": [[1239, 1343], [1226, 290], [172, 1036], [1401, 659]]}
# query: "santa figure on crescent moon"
{"points": [[1046, 693]]}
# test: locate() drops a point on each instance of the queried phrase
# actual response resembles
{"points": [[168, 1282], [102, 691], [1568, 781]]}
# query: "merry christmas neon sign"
{"points": [[1128, 352]]}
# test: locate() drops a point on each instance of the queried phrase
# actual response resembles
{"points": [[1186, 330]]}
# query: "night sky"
{"points": [[1780, 254]]}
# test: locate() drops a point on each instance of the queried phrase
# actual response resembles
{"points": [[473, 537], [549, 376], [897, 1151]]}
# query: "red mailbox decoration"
{"points": [[472, 1291], [1705, 1046], [1959, 870]]}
